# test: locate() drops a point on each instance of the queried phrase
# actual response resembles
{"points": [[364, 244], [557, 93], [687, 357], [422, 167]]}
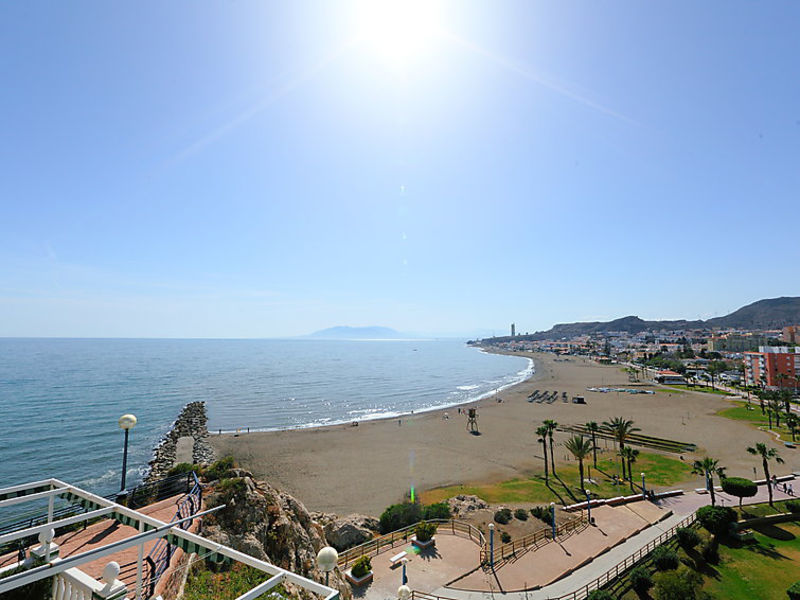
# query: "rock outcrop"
{"points": [[462, 505], [347, 531], [268, 524], [192, 422]]}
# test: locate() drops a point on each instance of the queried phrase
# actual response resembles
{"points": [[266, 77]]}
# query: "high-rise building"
{"points": [[791, 334], [773, 366], [513, 330]]}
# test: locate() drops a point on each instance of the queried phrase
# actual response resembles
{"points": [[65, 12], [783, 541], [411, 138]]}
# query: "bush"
{"points": [[688, 538], [793, 506], [361, 567], [230, 487], [794, 591], [440, 510], [710, 552], [398, 516], [677, 585], [182, 468], [665, 559], [424, 531], [219, 469], [716, 519], [521, 514], [739, 487], [641, 581], [503, 516], [505, 537], [543, 514], [600, 595]]}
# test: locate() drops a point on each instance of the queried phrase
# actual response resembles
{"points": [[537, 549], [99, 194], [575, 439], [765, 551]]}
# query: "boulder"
{"points": [[345, 532], [462, 505]]}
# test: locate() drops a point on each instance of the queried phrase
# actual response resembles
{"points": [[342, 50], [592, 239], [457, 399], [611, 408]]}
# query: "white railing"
{"points": [[74, 584]]}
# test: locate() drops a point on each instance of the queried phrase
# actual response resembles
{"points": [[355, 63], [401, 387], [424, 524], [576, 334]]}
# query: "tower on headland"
{"points": [[513, 330]]}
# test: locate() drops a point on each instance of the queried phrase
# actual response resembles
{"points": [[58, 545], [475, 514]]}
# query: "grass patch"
{"points": [[762, 510], [740, 412], [700, 388], [661, 471], [670, 390], [203, 583]]}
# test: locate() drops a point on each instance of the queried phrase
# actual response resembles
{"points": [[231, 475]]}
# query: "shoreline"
{"points": [[530, 373]]}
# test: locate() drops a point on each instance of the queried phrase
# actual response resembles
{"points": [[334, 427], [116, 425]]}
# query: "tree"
{"points": [[716, 519], [714, 368], [629, 455], [794, 591], [551, 427], [541, 431], [766, 454], [709, 467], [739, 487], [792, 422], [592, 427], [621, 429], [677, 585], [580, 447]]}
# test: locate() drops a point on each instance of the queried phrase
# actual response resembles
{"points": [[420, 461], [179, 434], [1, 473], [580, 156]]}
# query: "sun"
{"points": [[397, 30]]}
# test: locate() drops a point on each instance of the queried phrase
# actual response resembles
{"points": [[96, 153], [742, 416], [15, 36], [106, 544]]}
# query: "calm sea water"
{"points": [[60, 398]]}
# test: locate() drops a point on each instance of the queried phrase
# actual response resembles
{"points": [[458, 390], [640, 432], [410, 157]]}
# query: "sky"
{"points": [[267, 169]]}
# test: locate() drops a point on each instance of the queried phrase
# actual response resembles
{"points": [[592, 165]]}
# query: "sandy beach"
{"points": [[347, 469]]}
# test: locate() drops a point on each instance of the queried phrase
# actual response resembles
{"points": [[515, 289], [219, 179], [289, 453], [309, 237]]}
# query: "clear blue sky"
{"points": [[250, 169]]}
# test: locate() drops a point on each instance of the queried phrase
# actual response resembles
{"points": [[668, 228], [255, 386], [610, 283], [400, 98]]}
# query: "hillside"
{"points": [[771, 313]]}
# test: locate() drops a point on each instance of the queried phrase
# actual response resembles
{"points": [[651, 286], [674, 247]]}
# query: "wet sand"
{"points": [[347, 469]]}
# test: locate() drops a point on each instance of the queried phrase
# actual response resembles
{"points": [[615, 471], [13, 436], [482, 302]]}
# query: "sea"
{"points": [[60, 399]]}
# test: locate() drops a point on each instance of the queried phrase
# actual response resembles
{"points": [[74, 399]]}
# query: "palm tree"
{"points": [[791, 422], [629, 454], [775, 409], [542, 433], [766, 454], [621, 429], [592, 427], [708, 467], [551, 427], [580, 448]]}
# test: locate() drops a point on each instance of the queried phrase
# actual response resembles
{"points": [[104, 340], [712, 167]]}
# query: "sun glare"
{"points": [[398, 30]]}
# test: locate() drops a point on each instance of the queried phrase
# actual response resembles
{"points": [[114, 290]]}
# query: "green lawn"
{"points": [[202, 583], [700, 388], [740, 412], [660, 471]]}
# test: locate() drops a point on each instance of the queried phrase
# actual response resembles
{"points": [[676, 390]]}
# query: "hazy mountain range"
{"points": [[772, 313]]}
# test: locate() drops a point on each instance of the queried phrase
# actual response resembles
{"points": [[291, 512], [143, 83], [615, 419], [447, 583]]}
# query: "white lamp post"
{"points": [[403, 592], [644, 491], [326, 560], [126, 423], [491, 545], [553, 515]]}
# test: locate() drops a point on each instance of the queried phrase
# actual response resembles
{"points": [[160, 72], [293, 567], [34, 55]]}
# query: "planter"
{"points": [[358, 581], [423, 545]]}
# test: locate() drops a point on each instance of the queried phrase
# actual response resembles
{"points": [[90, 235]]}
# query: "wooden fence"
{"points": [[534, 540]]}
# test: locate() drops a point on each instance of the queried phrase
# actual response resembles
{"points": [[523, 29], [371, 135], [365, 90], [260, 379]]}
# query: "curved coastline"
{"points": [[521, 377]]}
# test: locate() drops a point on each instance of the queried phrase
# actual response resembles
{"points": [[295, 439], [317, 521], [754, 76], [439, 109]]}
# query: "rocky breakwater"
{"points": [[268, 524], [191, 427]]}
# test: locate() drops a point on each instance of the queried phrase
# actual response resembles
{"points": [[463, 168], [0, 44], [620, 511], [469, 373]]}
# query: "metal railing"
{"points": [[159, 558], [376, 545], [532, 540]]}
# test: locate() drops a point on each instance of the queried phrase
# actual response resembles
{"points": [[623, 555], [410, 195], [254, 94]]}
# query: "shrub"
{"points": [[505, 537], [793, 506], [794, 591], [688, 538], [181, 468], [219, 469], [440, 510], [717, 519], [503, 516], [543, 514], [665, 559], [424, 531], [739, 487], [677, 585], [641, 581], [361, 567], [521, 514], [398, 516], [600, 595], [710, 552]]}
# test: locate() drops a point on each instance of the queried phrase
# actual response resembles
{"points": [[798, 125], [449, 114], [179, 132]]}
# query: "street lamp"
{"points": [[644, 491], [553, 518], [126, 422], [588, 506], [326, 560], [491, 545], [403, 592]]}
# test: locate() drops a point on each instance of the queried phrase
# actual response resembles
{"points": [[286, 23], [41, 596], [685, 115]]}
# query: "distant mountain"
{"points": [[357, 333], [772, 313]]}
